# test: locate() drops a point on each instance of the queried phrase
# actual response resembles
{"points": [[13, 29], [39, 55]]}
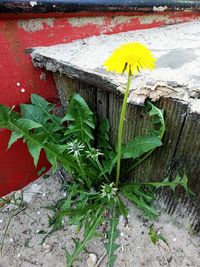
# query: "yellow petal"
{"points": [[131, 57]]}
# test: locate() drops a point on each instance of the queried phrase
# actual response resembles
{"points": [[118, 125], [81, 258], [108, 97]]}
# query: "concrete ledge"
{"points": [[177, 49]]}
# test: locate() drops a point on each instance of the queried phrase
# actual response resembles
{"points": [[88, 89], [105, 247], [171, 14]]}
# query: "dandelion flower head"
{"points": [[130, 58]]}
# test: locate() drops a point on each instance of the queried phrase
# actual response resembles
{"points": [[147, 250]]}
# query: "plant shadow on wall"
{"points": [[97, 192]]}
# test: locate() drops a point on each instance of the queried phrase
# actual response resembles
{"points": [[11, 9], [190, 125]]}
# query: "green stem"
{"points": [[120, 129], [82, 172], [6, 230]]}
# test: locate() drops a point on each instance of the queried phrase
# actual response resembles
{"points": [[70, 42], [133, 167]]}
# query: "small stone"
{"points": [[121, 234], [174, 239], [44, 194], [18, 255], [11, 240], [47, 247], [38, 212], [121, 219], [1, 221], [92, 260]]}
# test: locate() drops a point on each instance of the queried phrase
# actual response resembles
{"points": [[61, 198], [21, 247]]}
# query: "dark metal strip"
{"points": [[46, 6]]}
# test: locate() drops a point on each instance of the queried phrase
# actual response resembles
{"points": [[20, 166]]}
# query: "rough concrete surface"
{"points": [[34, 25], [176, 48], [117, 21], [22, 246]]}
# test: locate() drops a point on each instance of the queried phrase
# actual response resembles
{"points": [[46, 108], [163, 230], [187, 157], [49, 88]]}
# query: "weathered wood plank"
{"points": [[66, 87], [160, 161], [187, 156], [102, 104], [88, 92]]}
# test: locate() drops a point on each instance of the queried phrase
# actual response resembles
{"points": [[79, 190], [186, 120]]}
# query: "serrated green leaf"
{"points": [[78, 211], [157, 120], [37, 115], [111, 246], [46, 107], [34, 149], [33, 113], [140, 202], [80, 120], [14, 137], [90, 232], [54, 151], [27, 124], [4, 116], [140, 145], [52, 156], [139, 190], [157, 129], [110, 162], [122, 207], [154, 111], [178, 181], [39, 101]]}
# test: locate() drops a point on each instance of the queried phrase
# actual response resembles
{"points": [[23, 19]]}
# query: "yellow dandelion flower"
{"points": [[132, 58]]}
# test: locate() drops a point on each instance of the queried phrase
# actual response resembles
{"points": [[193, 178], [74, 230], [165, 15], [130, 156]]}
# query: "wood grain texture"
{"points": [[158, 165], [187, 156]]}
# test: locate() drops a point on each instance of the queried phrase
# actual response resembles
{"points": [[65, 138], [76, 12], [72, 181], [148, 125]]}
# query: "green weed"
{"points": [[95, 193]]}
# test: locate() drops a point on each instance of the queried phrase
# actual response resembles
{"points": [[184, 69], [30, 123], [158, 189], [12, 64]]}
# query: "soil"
{"points": [[22, 244]]}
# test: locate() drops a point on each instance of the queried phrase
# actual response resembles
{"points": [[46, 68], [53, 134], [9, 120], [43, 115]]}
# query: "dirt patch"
{"points": [[22, 246]]}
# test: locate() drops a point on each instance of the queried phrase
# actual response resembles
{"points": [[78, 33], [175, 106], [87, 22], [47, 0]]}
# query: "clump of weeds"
{"points": [[99, 186]]}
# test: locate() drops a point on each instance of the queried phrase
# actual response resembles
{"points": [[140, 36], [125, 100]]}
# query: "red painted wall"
{"points": [[18, 78]]}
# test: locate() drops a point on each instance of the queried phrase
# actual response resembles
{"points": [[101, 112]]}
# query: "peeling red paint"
{"points": [[16, 165]]}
